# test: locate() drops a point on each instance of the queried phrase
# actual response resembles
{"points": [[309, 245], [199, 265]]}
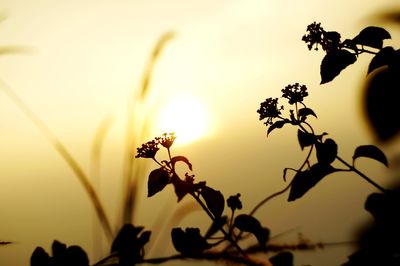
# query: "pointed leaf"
{"points": [[214, 199], [372, 152], [306, 112], [247, 223], [176, 159], [372, 36], [76, 256], [382, 58], [327, 151], [334, 62], [303, 181], [305, 139], [277, 124], [157, 181], [216, 225]]}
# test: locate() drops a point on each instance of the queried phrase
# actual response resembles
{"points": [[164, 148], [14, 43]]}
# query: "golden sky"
{"points": [[81, 61]]}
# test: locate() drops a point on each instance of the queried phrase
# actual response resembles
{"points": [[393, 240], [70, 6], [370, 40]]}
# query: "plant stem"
{"points": [[352, 168], [227, 236]]}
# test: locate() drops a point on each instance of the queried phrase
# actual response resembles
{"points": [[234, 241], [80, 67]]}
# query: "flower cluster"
{"points": [[316, 35], [167, 139], [295, 93], [269, 109], [148, 149]]}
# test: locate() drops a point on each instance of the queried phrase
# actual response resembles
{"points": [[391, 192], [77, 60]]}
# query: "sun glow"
{"points": [[184, 115]]}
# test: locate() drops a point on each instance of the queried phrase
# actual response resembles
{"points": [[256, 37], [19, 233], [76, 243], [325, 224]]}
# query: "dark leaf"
{"points": [[381, 101], [334, 62], [372, 36], [305, 139], [247, 223], [189, 242], [327, 151], [382, 58], [214, 199], [372, 152], [40, 257], [59, 252], [181, 187], [277, 124], [176, 159], [217, 224], [304, 112], [157, 181], [128, 244], [303, 181], [284, 258]]}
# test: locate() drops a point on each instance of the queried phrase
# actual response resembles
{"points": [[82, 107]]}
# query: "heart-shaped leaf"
{"points": [[334, 62], [372, 152], [327, 151], [305, 139], [157, 181]]}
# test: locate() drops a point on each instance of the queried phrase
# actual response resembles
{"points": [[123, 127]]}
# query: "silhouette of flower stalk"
{"points": [[309, 173]]}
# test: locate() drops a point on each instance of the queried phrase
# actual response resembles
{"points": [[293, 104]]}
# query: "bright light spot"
{"points": [[184, 115]]}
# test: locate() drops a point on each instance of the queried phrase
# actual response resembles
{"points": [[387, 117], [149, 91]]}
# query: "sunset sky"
{"points": [[80, 61]]}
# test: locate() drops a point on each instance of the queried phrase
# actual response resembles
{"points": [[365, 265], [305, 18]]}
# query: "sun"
{"points": [[184, 115]]}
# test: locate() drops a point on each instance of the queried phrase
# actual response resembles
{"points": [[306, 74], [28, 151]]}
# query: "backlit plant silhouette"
{"points": [[227, 239]]}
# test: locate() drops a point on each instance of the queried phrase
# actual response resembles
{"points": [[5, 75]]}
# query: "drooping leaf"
{"points": [[216, 225], [382, 58], [305, 139], [381, 101], [189, 242], [372, 152], [326, 151], [372, 36], [214, 199], [277, 124], [157, 181], [304, 112], [303, 181], [247, 223], [176, 159], [284, 258], [334, 62]]}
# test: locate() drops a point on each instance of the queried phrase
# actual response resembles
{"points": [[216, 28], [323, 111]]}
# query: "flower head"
{"points": [[269, 109], [295, 93], [234, 202], [314, 35], [148, 149], [167, 139]]}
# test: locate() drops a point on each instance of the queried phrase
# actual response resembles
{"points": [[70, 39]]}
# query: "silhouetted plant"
{"points": [[224, 240]]}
